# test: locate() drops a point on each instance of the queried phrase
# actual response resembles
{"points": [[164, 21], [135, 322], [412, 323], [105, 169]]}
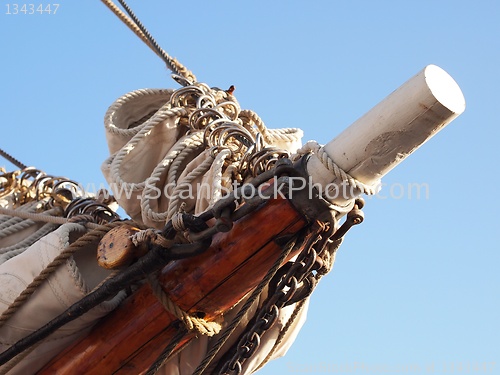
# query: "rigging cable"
{"points": [[138, 28], [12, 159]]}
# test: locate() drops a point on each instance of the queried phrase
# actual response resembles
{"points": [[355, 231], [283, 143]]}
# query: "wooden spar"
{"points": [[390, 131], [131, 338]]}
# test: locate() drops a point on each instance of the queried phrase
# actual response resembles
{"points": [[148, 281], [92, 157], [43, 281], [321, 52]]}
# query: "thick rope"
{"points": [[192, 323], [17, 359], [17, 248], [88, 238], [16, 227], [217, 182], [271, 135], [176, 164], [169, 163], [43, 217], [129, 99], [175, 200], [150, 235], [20, 224], [249, 302], [144, 132], [328, 163]]}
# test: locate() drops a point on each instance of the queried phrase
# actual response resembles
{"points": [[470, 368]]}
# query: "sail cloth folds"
{"points": [[183, 150], [71, 281], [186, 146]]}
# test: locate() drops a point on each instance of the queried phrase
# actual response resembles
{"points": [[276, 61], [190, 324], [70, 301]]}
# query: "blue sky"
{"points": [[415, 288]]}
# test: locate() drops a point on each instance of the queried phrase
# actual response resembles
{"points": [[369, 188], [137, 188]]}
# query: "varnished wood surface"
{"points": [[129, 339]]}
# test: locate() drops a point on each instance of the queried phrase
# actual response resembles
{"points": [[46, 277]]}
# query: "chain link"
{"points": [[290, 283]]}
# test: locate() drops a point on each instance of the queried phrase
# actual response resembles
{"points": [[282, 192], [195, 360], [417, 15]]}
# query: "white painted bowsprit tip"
{"points": [[445, 89], [391, 131]]}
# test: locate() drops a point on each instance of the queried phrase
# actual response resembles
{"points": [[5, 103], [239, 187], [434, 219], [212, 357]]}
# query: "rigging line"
{"points": [[128, 22], [167, 352], [12, 159], [139, 29]]}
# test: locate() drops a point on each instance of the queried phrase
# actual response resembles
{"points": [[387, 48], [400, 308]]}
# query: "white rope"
{"points": [[271, 135], [185, 183], [17, 248], [190, 146], [188, 143], [158, 117], [132, 107], [21, 222], [58, 220], [213, 120], [318, 150], [217, 182]]}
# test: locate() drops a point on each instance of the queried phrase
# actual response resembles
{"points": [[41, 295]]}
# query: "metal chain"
{"points": [[288, 286], [295, 282]]}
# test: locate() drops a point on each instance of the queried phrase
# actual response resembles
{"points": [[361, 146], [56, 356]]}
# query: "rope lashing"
{"points": [[192, 323], [88, 238], [328, 163], [151, 262], [150, 235], [246, 306]]}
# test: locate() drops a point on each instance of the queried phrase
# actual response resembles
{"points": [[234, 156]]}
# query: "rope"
{"points": [[219, 162], [12, 159], [171, 162], [165, 354], [43, 217], [16, 227], [297, 309], [271, 135], [150, 235], [20, 224], [328, 163], [200, 170], [113, 118], [17, 248], [249, 302], [124, 151], [91, 237], [192, 323], [18, 358], [178, 221], [138, 28]]}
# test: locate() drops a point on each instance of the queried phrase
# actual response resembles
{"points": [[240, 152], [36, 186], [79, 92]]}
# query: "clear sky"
{"points": [[415, 288]]}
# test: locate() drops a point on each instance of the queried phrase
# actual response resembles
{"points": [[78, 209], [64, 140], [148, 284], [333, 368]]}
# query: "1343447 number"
{"points": [[26, 8]]}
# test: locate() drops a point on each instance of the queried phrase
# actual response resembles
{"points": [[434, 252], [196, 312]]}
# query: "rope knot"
{"points": [[150, 235], [178, 222], [318, 150], [192, 323]]}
